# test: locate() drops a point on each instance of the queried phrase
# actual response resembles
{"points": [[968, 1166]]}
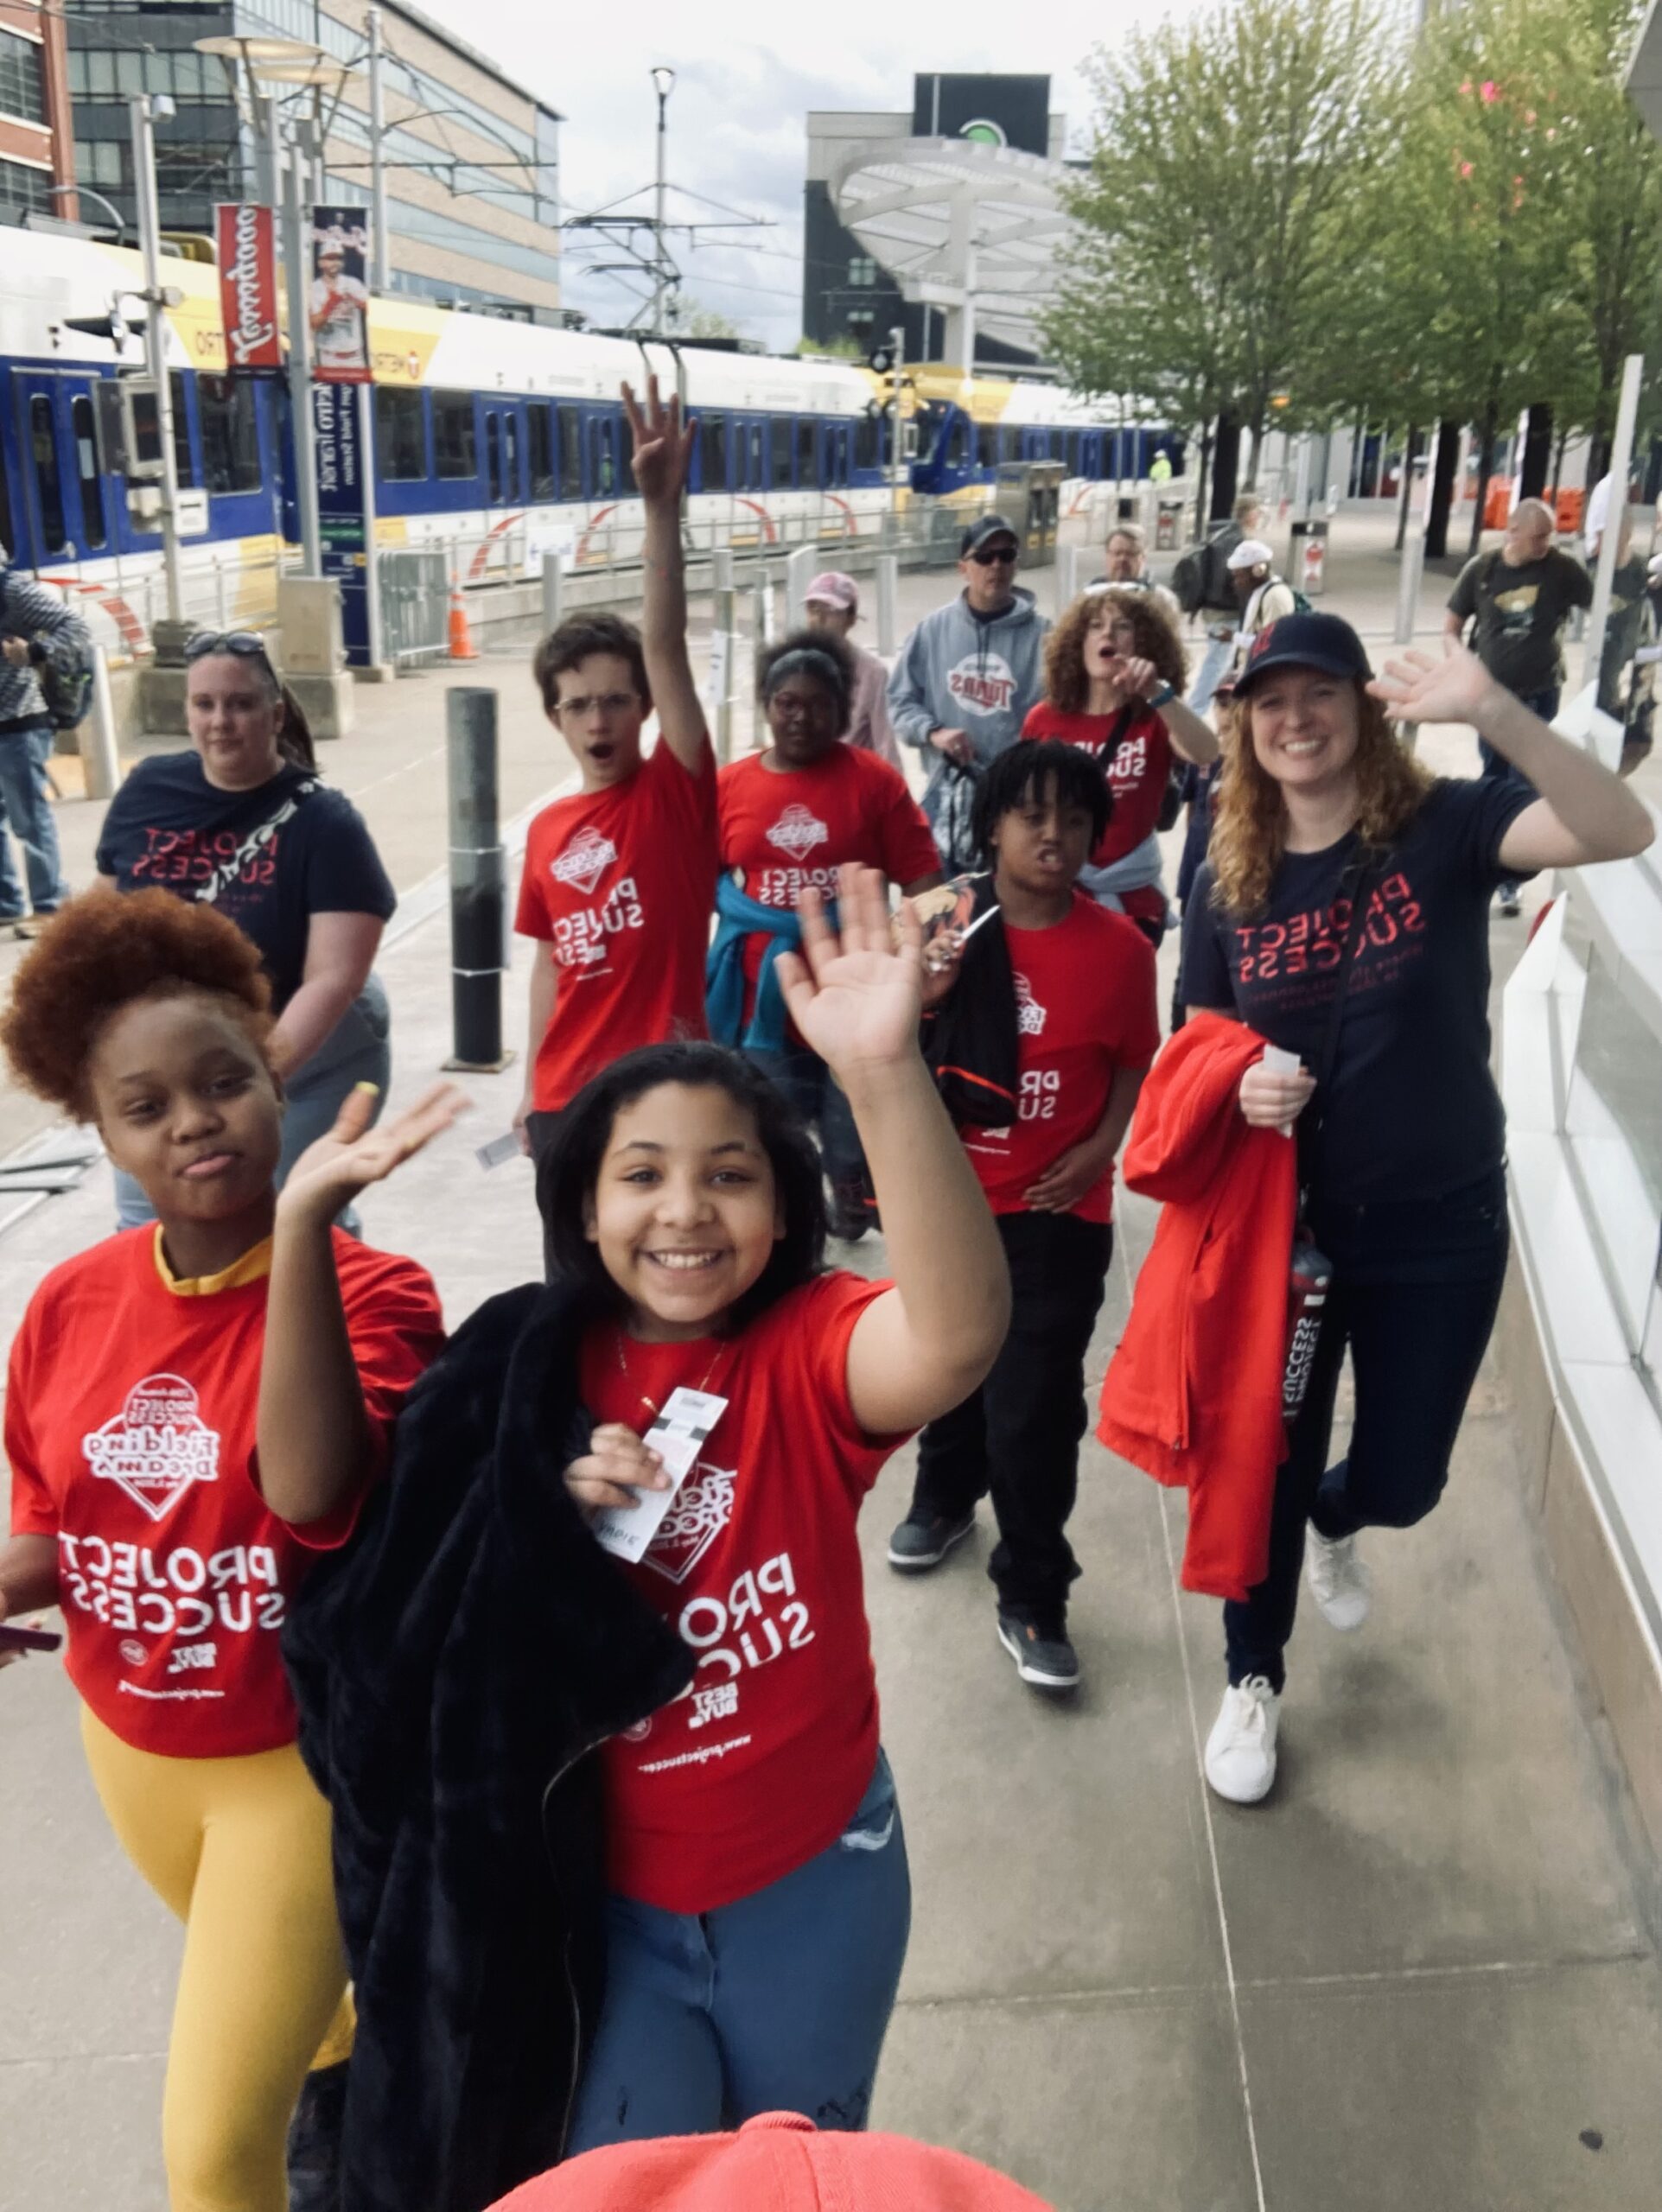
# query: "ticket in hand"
{"points": [[677, 1436]]}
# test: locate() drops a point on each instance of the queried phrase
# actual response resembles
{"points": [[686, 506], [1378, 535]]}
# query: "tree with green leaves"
{"points": [[1214, 234]]}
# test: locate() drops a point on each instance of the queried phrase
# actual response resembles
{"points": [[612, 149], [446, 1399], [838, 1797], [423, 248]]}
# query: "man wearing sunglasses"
{"points": [[967, 676]]}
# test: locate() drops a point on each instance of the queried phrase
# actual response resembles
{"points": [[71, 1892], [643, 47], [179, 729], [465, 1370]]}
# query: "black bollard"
{"points": [[478, 883]]}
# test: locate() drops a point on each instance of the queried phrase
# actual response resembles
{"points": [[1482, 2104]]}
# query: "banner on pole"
{"points": [[341, 456], [245, 240], [338, 295]]}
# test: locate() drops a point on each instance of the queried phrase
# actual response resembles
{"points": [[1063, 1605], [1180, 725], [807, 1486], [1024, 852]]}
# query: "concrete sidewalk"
{"points": [[1420, 1974]]}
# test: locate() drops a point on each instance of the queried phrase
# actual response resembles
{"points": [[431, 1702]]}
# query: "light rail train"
{"points": [[501, 440]]}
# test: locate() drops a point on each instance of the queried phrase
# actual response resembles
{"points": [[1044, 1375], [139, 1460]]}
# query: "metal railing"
{"points": [[415, 588]]}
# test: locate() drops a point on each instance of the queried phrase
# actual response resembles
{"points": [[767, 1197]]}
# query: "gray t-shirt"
{"points": [[1520, 615]]}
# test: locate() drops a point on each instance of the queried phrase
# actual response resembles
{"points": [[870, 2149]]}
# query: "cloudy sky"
{"points": [[747, 72]]}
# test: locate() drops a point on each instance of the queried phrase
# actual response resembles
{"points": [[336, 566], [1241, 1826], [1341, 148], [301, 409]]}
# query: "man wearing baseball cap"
{"points": [[1264, 597], [778, 2163], [832, 604], [967, 678]]}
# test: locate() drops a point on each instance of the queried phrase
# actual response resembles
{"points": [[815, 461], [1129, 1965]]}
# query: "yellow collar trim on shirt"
{"points": [[254, 1265]]}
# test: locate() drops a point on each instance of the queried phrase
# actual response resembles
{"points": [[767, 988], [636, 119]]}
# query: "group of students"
{"points": [[570, 1839]]}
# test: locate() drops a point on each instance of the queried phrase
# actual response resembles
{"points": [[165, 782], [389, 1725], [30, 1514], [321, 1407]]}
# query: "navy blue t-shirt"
{"points": [[1413, 1111], [167, 826]]}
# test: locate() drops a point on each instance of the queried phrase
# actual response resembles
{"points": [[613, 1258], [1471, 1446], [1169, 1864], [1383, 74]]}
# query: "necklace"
{"points": [[652, 1404]]}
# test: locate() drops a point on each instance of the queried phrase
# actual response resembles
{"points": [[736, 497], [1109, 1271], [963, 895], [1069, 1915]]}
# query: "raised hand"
{"points": [[614, 1470], [856, 996], [1419, 687], [663, 445], [330, 1173]]}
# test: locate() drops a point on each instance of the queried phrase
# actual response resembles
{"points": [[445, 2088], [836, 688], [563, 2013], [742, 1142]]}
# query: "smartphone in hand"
{"points": [[28, 1639]]}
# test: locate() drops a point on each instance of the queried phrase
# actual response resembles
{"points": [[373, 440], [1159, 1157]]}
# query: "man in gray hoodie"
{"points": [[967, 677]]}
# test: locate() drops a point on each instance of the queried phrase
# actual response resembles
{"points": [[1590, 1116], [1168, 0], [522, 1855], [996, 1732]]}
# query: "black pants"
{"points": [[1415, 1291], [1018, 1435]]}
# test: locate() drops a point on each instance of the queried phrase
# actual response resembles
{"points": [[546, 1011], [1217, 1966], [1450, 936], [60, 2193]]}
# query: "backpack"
{"points": [[65, 675], [1200, 579]]}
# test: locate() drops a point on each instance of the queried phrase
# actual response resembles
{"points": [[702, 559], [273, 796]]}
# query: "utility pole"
{"points": [[379, 279], [296, 263], [663, 84], [143, 108]]}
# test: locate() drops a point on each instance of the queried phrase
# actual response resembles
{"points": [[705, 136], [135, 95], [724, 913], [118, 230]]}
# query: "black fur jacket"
{"points": [[455, 1666]]}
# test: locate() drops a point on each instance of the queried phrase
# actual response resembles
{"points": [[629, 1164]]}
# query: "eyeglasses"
{"points": [[985, 556], [246, 644], [608, 702]]}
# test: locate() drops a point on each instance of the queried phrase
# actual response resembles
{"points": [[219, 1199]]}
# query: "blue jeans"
{"points": [[27, 805], [778, 2003], [355, 1050], [819, 1100], [1213, 661]]}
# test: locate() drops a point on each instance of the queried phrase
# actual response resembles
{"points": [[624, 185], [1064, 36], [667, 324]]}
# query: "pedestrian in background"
{"points": [[832, 602], [1204, 587], [34, 625], [1515, 601], [965, 679], [244, 822]]}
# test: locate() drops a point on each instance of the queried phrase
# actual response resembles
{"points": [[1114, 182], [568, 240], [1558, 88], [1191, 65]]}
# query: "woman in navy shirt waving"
{"points": [[1319, 808]]}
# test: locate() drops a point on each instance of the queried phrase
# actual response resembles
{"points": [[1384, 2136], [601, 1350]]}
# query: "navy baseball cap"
{"points": [[982, 529], [1323, 641]]}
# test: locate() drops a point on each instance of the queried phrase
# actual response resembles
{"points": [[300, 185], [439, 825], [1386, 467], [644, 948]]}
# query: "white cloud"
{"points": [[747, 71]]}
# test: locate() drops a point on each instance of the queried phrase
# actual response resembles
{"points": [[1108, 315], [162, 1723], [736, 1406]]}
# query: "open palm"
{"points": [[663, 444], [855, 997], [330, 1173], [1420, 687]]}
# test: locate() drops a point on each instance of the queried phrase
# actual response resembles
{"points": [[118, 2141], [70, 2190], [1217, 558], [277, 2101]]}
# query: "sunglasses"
{"points": [[245, 645], [987, 556]]}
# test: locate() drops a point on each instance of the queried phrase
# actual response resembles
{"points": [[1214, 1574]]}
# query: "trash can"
{"points": [[1168, 513], [1310, 561]]}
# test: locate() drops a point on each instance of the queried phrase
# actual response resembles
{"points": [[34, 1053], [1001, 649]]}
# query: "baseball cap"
{"points": [[833, 589], [1251, 553], [777, 2163], [982, 529], [1322, 641]]}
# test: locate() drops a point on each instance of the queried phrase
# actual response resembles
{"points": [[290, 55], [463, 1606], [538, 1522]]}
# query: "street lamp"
{"points": [[663, 84]]}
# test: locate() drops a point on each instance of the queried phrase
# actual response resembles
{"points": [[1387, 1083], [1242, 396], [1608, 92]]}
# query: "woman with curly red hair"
{"points": [[136, 1503], [1114, 674]]}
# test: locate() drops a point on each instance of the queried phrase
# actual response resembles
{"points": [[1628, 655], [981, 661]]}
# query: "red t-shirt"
{"points": [[1137, 771], [1085, 1007], [129, 1427], [786, 831], [621, 884], [758, 1766]]}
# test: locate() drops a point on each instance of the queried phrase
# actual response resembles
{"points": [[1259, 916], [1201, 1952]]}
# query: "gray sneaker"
{"points": [[923, 1540], [1038, 1644]]}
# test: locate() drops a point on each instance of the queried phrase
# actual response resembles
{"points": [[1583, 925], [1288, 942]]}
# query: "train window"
{"points": [[510, 455], [1009, 443], [400, 435], [957, 443], [539, 448], [1055, 445], [86, 467], [453, 435], [44, 447], [184, 466], [571, 452], [779, 444], [602, 476], [1073, 443], [492, 456], [986, 445], [868, 440], [807, 451], [713, 452], [7, 532], [758, 476], [842, 476], [230, 434]]}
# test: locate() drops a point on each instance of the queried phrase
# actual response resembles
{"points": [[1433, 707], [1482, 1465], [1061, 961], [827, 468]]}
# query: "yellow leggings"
{"points": [[239, 1849]]}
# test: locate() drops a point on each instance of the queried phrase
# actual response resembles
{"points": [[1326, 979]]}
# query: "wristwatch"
{"points": [[1163, 695]]}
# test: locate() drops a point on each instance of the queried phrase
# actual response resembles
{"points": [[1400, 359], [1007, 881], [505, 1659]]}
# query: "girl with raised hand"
{"points": [[137, 1502], [688, 1738], [1342, 914]]}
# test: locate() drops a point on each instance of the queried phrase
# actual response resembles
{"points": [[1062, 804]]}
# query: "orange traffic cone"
{"points": [[461, 642]]}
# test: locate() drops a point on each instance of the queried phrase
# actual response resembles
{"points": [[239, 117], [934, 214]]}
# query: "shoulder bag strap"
{"points": [[1361, 876], [257, 838]]}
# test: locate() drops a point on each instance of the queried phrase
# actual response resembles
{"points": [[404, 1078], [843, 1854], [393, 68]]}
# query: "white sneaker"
{"points": [[1339, 1582], [1240, 1756]]}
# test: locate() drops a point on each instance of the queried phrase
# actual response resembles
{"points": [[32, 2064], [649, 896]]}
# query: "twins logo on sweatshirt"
{"points": [[982, 683], [797, 832], [156, 1446]]}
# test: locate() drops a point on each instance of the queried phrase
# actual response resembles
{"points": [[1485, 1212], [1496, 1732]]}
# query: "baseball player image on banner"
{"points": [[340, 295]]}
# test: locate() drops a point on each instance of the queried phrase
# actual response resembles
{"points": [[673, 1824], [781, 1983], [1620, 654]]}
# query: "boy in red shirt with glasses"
{"points": [[620, 879]]}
